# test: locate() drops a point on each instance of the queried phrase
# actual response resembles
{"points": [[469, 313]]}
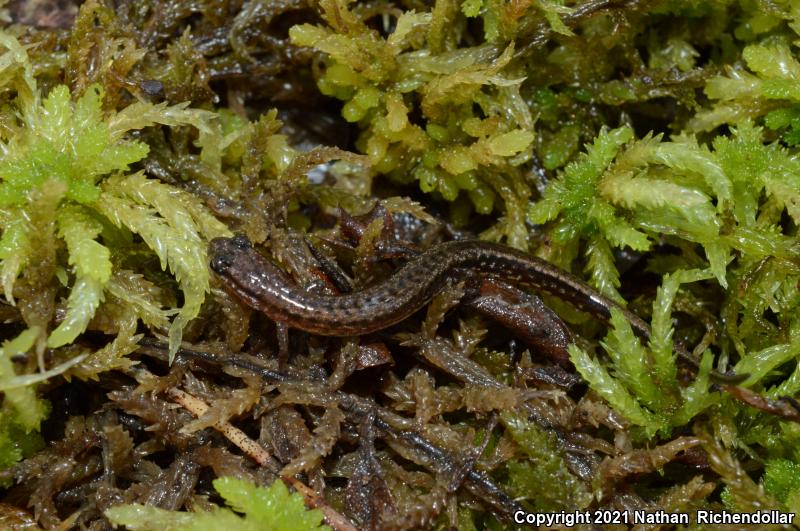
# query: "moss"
{"points": [[650, 149], [270, 508], [461, 141], [544, 477], [58, 158]]}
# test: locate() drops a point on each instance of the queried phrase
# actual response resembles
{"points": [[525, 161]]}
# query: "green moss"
{"points": [[263, 508], [21, 407], [57, 158], [782, 480], [637, 145], [68, 148], [543, 477], [365, 70], [16, 442]]}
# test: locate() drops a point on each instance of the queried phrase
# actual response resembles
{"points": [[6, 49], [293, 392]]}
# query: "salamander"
{"points": [[262, 285]]}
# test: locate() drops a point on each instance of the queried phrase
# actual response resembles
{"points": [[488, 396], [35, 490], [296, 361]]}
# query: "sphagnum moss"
{"points": [[649, 148]]}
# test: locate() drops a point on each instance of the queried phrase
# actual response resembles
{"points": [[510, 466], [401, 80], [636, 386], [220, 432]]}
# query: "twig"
{"points": [[256, 452], [357, 408], [250, 447]]}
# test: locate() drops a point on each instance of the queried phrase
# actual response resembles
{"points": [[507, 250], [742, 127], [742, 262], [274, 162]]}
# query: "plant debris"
{"points": [[648, 148]]}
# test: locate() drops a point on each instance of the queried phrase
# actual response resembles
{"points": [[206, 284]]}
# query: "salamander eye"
{"points": [[220, 263], [241, 242]]}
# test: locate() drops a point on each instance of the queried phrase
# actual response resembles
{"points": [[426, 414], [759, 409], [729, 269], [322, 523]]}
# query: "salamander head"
{"points": [[224, 251]]}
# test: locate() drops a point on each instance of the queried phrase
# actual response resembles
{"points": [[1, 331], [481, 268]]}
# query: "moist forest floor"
{"points": [[647, 148]]}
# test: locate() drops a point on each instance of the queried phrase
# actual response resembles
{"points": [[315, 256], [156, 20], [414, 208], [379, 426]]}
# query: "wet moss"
{"points": [[647, 148]]}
